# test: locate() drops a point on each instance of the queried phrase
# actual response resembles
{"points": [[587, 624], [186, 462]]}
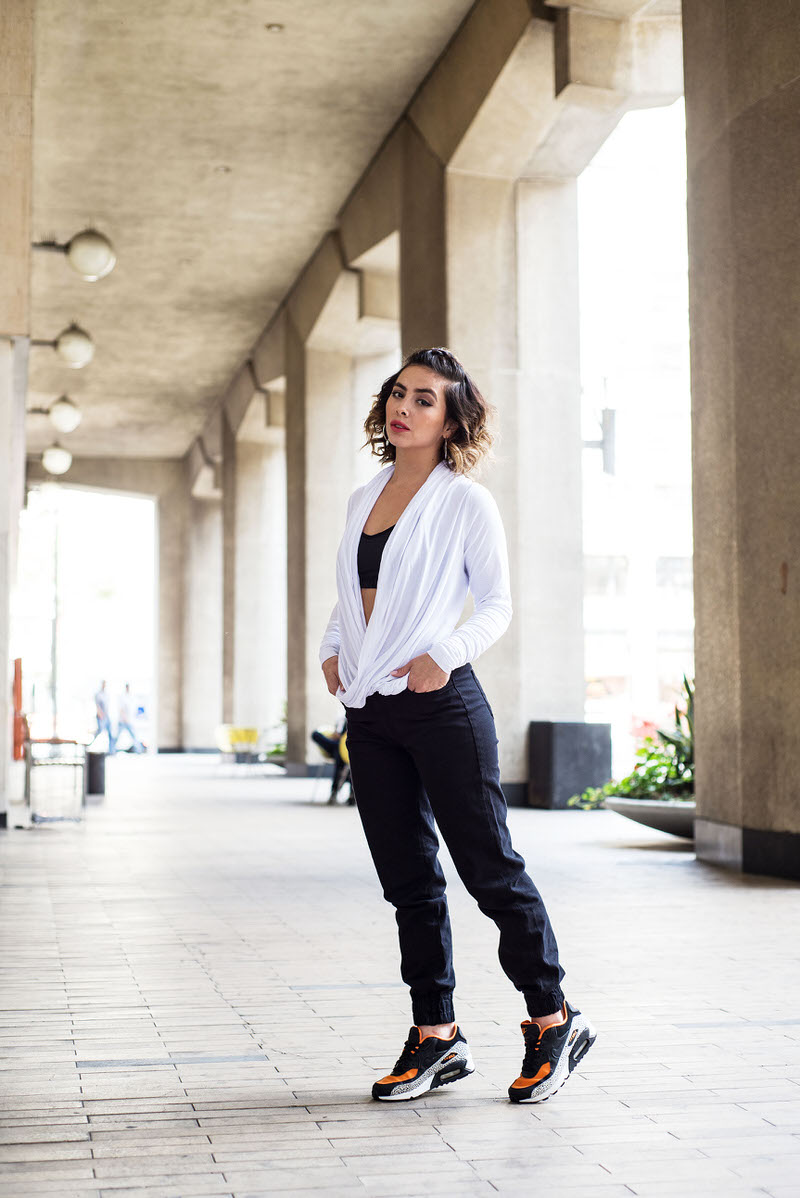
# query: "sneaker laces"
{"points": [[406, 1058], [533, 1036]]}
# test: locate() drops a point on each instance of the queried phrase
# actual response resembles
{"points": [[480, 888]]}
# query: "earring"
{"points": [[445, 458], [384, 433]]}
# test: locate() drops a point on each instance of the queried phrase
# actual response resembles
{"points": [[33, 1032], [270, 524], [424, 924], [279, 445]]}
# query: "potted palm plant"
{"points": [[660, 790]]}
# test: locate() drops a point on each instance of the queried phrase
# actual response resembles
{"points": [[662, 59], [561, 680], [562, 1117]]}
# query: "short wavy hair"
{"points": [[471, 442]]}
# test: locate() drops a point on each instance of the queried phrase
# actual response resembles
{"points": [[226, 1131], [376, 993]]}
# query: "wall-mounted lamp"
{"points": [[56, 459], [65, 415], [74, 345], [89, 253]]}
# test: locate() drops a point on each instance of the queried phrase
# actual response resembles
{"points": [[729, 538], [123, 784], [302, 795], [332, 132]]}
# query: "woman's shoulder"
{"points": [[478, 496]]}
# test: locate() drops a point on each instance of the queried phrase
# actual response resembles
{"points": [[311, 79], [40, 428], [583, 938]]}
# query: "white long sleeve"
{"points": [[448, 541], [486, 567], [331, 639]]}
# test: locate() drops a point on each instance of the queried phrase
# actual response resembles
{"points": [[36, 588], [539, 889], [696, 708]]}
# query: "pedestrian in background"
{"points": [[125, 717], [103, 717]]}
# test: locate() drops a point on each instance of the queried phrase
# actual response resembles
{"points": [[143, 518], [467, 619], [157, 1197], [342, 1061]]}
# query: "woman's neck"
{"points": [[411, 473]]}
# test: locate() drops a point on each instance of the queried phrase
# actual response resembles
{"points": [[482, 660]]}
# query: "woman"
{"points": [[421, 734]]}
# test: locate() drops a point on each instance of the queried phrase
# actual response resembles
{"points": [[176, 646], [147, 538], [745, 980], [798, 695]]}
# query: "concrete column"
{"points": [[517, 333], [228, 567], [202, 629], [549, 451], [172, 511], [260, 570], [327, 466], [744, 267], [297, 630], [16, 105], [423, 273], [13, 369]]}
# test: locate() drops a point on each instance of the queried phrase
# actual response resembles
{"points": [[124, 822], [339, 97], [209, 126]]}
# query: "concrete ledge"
{"points": [[751, 850], [718, 843]]}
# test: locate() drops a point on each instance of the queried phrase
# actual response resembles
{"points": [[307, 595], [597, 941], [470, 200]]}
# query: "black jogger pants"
{"points": [[422, 755]]}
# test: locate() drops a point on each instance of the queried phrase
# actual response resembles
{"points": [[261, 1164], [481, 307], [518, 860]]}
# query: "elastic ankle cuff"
{"points": [[544, 1004], [430, 1009]]}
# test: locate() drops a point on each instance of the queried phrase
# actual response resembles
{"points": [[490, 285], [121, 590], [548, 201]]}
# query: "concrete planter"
{"points": [[675, 816]]}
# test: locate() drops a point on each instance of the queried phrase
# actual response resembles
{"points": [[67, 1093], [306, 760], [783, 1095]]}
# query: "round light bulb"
{"points": [[91, 255], [75, 346], [56, 459], [65, 415]]}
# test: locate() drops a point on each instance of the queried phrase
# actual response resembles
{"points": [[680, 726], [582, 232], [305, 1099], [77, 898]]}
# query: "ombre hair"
{"points": [[471, 441]]}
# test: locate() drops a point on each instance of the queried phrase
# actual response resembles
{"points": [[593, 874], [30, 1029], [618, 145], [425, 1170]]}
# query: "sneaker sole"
{"points": [[438, 1075], [567, 1062]]}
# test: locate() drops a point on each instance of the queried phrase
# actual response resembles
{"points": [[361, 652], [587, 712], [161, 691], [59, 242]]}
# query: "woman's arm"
{"points": [[486, 565]]}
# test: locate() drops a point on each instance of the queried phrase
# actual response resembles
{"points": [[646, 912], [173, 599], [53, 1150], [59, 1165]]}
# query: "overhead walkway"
{"points": [[200, 984]]}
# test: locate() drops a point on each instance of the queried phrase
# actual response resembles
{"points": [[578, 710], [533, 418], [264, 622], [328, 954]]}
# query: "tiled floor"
{"points": [[200, 984]]}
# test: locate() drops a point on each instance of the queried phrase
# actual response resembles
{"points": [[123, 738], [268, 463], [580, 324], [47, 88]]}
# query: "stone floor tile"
{"points": [[218, 1029]]}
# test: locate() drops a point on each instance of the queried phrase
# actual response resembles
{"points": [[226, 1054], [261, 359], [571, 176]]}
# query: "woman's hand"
{"points": [[423, 674], [330, 668]]}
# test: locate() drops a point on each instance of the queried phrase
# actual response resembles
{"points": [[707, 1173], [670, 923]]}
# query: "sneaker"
{"points": [[425, 1063], [551, 1055]]}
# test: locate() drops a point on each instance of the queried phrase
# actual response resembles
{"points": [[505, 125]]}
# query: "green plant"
{"points": [[664, 771]]}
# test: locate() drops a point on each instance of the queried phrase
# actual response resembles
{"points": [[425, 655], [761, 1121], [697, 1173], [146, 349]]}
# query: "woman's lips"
{"points": [[403, 428]]}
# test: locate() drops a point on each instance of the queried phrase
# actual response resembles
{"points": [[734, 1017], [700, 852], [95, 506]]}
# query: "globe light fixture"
{"points": [[91, 255], [75, 346], [65, 414], [56, 459]]}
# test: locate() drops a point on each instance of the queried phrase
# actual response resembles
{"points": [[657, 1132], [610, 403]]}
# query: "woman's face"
{"points": [[417, 402]]}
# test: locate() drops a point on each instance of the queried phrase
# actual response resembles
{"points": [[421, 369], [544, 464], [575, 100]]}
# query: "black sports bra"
{"points": [[370, 550]]}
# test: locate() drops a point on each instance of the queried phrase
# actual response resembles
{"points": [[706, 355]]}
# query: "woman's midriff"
{"points": [[368, 600]]}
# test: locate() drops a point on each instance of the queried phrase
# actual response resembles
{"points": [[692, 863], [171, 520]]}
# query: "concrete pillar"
{"points": [[321, 475], [202, 628], [297, 631], [228, 567], [548, 458], [423, 271], [16, 91], [260, 571], [517, 332], [13, 369], [742, 74]]}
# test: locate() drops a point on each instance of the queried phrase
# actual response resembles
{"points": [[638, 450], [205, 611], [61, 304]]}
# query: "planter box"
{"points": [[675, 816], [564, 758]]}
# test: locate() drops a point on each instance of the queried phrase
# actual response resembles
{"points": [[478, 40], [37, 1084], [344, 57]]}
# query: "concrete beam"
{"points": [[310, 293], [378, 296], [450, 98], [203, 474], [601, 59], [621, 9], [371, 213], [269, 352]]}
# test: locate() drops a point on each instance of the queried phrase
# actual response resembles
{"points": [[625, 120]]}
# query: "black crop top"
{"points": [[370, 550]]}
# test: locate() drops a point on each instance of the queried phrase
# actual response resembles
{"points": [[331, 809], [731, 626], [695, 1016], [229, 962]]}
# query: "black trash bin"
{"points": [[95, 773]]}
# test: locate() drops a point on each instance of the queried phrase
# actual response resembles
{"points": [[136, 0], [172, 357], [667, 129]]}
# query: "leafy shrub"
{"points": [[664, 770]]}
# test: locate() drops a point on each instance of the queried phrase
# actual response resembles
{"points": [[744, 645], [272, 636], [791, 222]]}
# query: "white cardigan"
{"points": [[449, 540]]}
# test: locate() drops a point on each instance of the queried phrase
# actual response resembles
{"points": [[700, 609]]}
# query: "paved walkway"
{"points": [[200, 984]]}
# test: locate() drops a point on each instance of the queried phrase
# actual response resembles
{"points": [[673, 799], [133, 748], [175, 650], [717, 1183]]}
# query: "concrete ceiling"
{"points": [[214, 154]]}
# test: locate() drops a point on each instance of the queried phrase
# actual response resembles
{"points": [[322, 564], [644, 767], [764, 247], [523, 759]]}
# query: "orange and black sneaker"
{"points": [[551, 1055], [425, 1063]]}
